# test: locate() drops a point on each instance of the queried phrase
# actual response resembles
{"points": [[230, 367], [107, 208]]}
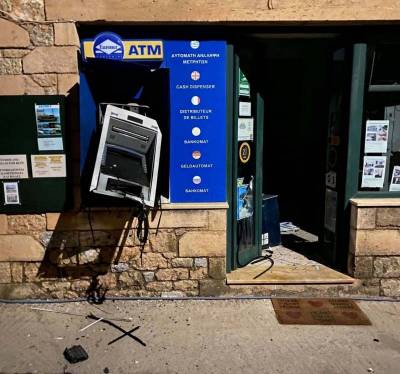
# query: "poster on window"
{"points": [[11, 193], [48, 124], [244, 200], [373, 171], [395, 181], [376, 136]]}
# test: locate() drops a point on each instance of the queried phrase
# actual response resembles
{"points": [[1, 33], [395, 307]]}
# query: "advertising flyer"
{"points": [[373, 171], [244, 108], [48, 166], [395, 181], [244, 86], [13, 167], [244, 200], [11, 193], [376, 136], [48, 124], [245, 129]]}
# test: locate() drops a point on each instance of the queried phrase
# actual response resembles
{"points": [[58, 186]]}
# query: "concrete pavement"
{"points": [[195, 336]]}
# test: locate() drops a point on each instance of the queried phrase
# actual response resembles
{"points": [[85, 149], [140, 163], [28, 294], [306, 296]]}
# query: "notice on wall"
{"points": [[13, 167], [11, 193], [48, 124], [244, 86], [395, 181], [373, 171], [244, 200], [48, 166], [198, 120], [244, 108], [376, 136], [245, 129]]}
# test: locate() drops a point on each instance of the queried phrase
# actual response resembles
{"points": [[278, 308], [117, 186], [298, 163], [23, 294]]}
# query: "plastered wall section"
{"points": [[375, 247]]}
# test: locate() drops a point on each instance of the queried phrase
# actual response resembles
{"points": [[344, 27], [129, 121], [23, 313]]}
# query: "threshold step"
{"points": [[287, 274]]}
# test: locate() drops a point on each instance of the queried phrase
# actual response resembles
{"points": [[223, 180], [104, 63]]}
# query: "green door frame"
{"points": [[232, 160]]}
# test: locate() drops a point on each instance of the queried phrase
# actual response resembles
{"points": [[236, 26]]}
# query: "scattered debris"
{"points": [[78, 315], [124, 333], [91, 324], [75, 354]]}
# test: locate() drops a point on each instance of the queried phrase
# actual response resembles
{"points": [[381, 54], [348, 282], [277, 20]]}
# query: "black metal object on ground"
{"points": [[75, 354]]}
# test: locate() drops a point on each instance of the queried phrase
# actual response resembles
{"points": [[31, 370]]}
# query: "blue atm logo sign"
{"points": [[110, 46]]}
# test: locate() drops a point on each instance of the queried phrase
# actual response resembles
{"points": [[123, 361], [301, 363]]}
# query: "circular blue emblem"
{"points": [[109, 46]]}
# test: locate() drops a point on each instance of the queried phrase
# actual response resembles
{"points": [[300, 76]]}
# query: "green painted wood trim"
{"points": [[355, 120], [234, 155], [229, 138], [259, 174], [377, 194]]}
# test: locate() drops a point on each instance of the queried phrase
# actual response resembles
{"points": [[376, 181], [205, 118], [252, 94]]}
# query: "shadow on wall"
{"points": [[87, 250], [99, 249]]}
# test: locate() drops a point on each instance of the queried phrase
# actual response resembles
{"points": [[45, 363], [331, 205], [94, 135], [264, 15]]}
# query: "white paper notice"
{"points": [[376, 136], [48, 166], [245, 129], [13, 167], [50, 144], [11, 193], [395, 181], [373, 171], [244, 108]]}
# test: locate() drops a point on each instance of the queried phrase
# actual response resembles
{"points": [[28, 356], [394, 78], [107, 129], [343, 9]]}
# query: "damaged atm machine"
{"points": [[120, 116]]}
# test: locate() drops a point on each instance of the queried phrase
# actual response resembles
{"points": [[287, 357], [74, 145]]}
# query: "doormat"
{"points": [[319, 312]]}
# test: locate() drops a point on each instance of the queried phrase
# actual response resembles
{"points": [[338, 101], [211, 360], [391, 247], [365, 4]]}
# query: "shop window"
{"points": [[380, 143]]}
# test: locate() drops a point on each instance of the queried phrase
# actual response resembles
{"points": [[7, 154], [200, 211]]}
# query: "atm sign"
{"points": [[131, 50]]}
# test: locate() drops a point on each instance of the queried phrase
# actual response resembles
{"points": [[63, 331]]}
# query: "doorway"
{"points": [[293, 77]]}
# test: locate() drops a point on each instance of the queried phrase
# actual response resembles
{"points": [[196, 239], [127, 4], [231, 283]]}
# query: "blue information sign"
{"points": [[198, 120]]}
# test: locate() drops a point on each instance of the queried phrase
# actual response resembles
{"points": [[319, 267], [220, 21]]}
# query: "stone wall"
{"points": [[57, 255], [375, 245]]}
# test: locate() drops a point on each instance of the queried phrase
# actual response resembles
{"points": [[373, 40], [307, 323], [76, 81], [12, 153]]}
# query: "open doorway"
{"points": [[295, 89], [294, 78]]}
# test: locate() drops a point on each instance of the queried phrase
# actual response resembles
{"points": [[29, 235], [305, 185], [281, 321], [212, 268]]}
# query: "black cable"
{"points": [[89, 214]]}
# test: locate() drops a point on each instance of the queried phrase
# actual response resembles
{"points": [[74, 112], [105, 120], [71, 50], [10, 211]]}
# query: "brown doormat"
{"points": [[319, 312]]}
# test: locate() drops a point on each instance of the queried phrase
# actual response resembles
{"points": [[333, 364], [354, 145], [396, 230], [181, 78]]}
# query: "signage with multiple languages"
{"points": [[198, 120]]}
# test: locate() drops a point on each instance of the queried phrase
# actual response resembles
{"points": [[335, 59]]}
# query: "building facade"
{"points": [[59, 254]]}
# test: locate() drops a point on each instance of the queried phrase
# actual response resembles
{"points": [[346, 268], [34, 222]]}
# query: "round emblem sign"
{"points": [[244, 152], [109, 46]]}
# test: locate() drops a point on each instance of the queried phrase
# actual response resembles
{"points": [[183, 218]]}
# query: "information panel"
{"points": [[198, 120]]}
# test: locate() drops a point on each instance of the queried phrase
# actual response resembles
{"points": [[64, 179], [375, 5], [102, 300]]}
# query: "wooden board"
{"points": [[287, 274], [319, 312]]}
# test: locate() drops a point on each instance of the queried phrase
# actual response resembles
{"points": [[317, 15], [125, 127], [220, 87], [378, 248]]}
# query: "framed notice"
{"points": [[13, 167]]}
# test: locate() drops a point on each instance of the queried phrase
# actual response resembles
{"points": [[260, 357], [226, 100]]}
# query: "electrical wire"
{"points": [[194, 298]]}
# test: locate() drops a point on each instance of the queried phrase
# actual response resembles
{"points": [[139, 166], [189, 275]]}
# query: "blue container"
{"points": [[271, 234]]}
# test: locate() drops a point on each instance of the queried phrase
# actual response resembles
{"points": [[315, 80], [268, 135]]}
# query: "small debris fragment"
{"points": [[75, 354], [106, 370], [370, 370], [376, 340]]}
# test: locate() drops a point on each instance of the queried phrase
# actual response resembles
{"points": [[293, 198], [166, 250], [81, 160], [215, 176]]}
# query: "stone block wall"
{"points": [[57, 255], [375, 246]]}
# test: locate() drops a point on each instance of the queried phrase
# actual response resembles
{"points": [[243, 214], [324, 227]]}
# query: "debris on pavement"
{"points": [[75, 354]]}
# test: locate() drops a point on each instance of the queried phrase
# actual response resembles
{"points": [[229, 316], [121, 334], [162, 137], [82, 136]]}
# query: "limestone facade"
{"points": [[57, 255], [375, 244]]}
